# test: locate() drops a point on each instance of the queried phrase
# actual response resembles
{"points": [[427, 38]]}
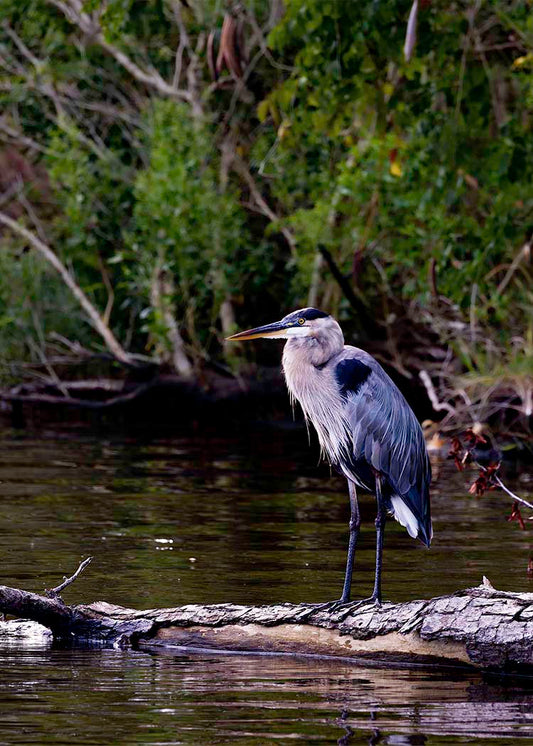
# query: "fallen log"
{"points": [[480, 627]]}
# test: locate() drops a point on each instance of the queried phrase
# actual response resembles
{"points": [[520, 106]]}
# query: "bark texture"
{"points": [[478, 626]]}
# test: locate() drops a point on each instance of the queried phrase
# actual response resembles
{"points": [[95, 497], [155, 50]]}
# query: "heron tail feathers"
{"points": [[416, 527]]}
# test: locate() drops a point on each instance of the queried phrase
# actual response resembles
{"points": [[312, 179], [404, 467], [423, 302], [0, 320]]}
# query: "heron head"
{"points": [[306, 322]]}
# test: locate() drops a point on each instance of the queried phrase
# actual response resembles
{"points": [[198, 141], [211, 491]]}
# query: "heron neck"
{"points": [[311, 382], [314, 350]]}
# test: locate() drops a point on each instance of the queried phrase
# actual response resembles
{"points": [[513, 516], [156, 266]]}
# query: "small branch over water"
{"points": [[512, 494]]}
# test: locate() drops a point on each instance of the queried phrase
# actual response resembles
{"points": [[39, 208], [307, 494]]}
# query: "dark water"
{"points": [[251, 520]]}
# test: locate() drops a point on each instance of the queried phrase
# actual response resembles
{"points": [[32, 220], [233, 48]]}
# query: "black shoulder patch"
{"points": [[350, 375]]}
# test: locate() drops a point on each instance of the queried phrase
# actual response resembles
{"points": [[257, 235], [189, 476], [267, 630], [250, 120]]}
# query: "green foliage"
{"points": [[409, 164], [93, 191], [416, 176], [184, 223]]}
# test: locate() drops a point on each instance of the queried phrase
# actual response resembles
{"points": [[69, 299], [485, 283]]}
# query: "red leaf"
{"points": [[472, 438], [479, 487], [516, 515]]}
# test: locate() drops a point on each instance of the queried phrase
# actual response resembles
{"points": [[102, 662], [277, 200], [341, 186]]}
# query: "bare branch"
{"points": [[54, 592], [61, 119], [31, 212], [72, 10], [73, 98], [193, 68], [183, 43], [523, 255], [19, 137], [242, 169], [240, 91], [258, 35], [13, 189], [40, 351], [100, 385], [112, 344], [36, 63], [74, 13], [432, 394], [410, 34], [109, 287], [162, 290], [276, 14], [178, 63], [151, 79], [23, 49], [512, 494]]}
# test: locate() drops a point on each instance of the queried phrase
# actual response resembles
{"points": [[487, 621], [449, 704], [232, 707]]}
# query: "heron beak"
{"points": [[277, 329]]}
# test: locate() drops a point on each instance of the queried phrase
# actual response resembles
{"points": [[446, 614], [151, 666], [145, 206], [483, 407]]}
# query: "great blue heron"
{"points": [[366, 428]]}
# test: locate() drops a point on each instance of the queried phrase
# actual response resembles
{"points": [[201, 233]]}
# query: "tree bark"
{"points": [[480, 627]]}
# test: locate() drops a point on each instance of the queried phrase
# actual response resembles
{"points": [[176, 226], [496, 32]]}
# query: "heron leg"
{"points": [[380, 530], [355, 523]]}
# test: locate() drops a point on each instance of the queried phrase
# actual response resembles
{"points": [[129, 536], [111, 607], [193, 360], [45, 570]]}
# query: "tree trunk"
{"points": [[479, 626], [162, 292]]}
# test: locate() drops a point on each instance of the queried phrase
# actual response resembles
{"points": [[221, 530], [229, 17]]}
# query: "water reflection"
{"points": [[58, 696], [250, 521]]}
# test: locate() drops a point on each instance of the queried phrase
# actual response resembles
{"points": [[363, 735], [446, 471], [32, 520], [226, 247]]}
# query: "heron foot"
{"points": [[329, 605], [371, 600], [342, 603]]}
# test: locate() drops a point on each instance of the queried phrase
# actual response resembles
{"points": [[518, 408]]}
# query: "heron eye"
{"points": [[301, 322]]}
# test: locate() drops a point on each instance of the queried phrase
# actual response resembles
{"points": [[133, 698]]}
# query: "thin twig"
{"points": [[512, 494], [11, 191], [26, 204], [54, 592], [23, 49], [523, 254], [437, 405], [240, 87], [73, 11], [40, 350], [22, 139], [109, 287], [182, 46], [259, 35], [265, 209]]}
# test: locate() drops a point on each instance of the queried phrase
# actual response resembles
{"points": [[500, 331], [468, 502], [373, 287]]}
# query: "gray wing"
{"points": [[386, 434]]}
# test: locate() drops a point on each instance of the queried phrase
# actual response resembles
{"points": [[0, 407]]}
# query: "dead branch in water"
{"points": [[54, 592], [479, 626]]}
